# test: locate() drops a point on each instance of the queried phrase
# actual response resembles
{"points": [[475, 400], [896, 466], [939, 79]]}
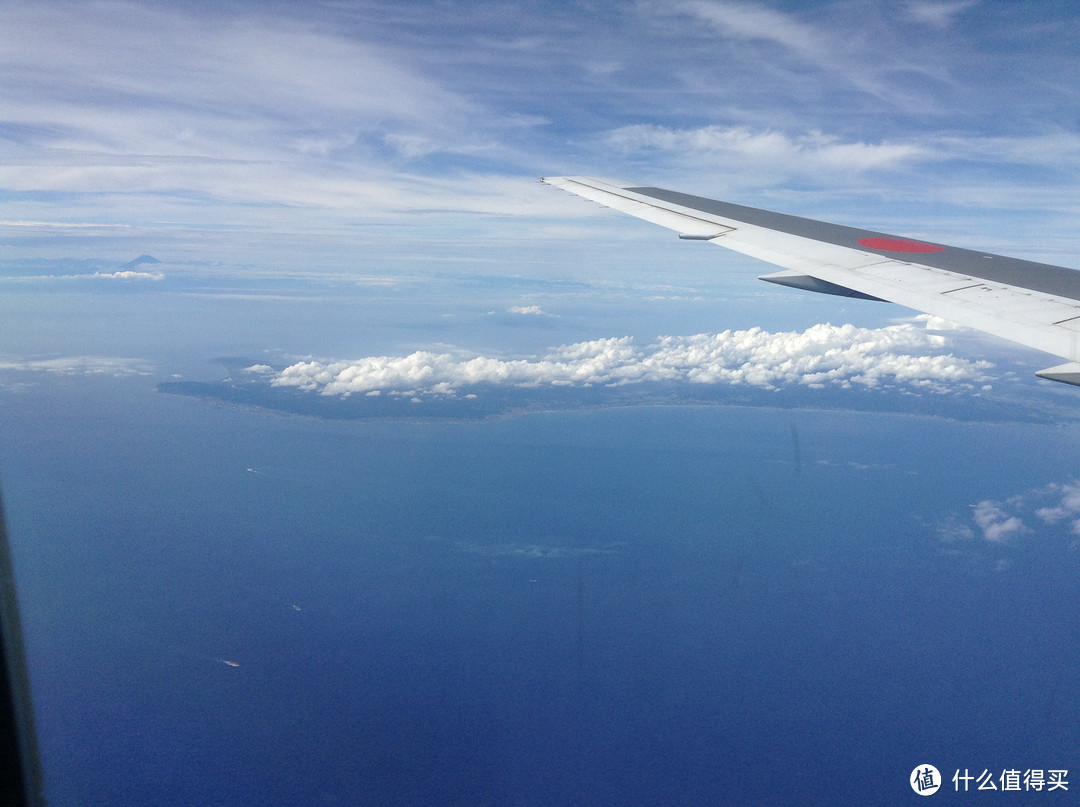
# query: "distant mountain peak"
{"points": [[140, 261]]}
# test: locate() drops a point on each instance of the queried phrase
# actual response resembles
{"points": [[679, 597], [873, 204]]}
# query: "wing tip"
{"points": [[1068, 373], [600, 183]]}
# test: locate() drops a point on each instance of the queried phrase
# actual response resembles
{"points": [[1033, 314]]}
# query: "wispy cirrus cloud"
{"points": [[837, 44], [79, 365], [253, 108], [120, 274], [757, 22], [939, 15], [812, 152], [817, 153], [216, 86], [825, 355], [313, 118], [522, 550]]}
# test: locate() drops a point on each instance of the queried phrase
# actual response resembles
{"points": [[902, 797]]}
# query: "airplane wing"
{"points": [[1033, 304]]}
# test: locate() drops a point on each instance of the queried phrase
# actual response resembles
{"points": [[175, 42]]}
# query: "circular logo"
{"points": [[925, 780], [899, 245]]}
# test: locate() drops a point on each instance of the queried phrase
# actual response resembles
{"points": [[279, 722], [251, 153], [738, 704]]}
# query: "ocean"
{"points": [[627, 606]]}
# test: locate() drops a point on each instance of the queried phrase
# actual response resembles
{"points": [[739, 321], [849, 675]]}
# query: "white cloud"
{"points": [[1002, 521], [834, 44], [208, 85], [79, 365], [64, 225], [129, 274], [303, 118], [824, 355], [1067, 507], [254, 108], [995, 523], [938, 15], [932, 322], [757, 22], [953, 529], [122, 274], [1056, 149], [811, 152], [815, 152], [528, 310]]}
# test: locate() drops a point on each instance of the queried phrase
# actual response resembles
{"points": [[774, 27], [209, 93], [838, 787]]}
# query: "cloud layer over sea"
{"points": [[820, 356]]}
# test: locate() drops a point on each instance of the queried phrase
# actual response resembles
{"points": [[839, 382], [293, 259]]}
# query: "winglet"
{"points": [[1068, 373]]}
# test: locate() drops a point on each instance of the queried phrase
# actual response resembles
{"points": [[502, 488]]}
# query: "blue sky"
{"points": [[178, 120]]}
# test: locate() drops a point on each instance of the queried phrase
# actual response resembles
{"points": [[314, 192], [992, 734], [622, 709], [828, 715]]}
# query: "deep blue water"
{"points": [[696, 605]]}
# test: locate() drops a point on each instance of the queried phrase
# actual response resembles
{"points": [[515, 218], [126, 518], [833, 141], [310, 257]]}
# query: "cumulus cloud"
{"points": [[528, 310], [1003, 521], [1066, 508], [932, 322], [824, 355], [995, 523]]}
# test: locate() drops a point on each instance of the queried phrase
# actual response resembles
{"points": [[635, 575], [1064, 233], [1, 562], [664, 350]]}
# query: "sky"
{"points": [[216, 217], [341, 120], [392, 147]]}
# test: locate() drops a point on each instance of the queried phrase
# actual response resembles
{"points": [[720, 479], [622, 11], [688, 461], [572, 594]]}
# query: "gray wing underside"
{"points": [[1033, 304]]}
